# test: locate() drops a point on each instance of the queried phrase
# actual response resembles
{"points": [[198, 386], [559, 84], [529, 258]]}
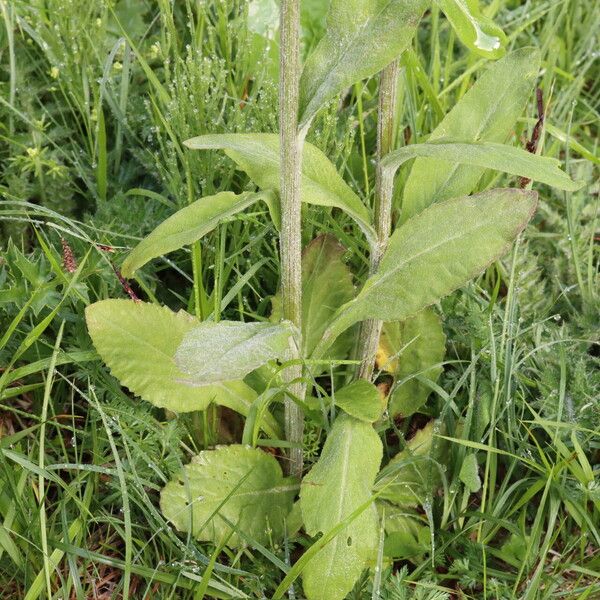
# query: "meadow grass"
{"points": [[95, 101]]}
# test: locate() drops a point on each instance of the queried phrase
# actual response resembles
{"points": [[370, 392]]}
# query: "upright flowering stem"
{"points": [[384, 183], [290, 241]]}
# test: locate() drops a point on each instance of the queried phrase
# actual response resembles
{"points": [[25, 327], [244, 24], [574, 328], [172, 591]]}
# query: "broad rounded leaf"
{"points": [[363, 36], [213, 352], [186, 226], [488, 155], [486, 113], [414, 346], [476, 32], [469, 473], [235, 486], [257, 154], [138, 342], [336, 486], [360, 399]]}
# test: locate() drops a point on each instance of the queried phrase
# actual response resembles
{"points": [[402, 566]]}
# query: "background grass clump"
{"points": [[96, 99]]}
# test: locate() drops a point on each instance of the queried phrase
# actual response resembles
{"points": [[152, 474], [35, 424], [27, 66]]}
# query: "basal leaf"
{"points": [[186, 226], [236, 485], [438, 251], [326, 285], [257, 154], [362, 37], [360, 399], [486, 113], [488, 155], [138, 342], [215, 352], [414, 346], [338, 484], [474, 30]]}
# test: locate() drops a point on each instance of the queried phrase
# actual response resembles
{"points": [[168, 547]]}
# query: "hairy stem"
{"points": [[290, 240], [384, 183]]}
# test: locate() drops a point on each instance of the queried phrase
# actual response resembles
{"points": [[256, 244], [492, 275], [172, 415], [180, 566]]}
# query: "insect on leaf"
{"points": [[362, 37], [338, 484], [229, 488]]}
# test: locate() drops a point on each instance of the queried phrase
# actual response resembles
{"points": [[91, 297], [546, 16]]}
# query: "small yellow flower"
{"points": [[32, 152], [54, 72], [117, 66]]}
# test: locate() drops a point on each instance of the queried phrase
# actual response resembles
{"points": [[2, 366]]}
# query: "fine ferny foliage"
{"points": [[444, 236]]}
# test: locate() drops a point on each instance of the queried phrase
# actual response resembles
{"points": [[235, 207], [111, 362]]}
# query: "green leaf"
{"points": [[486, 113], [361, 400], [415, 346], [216, 352], [186, 226], [363, 36], [409, 478], [257, 154], [338, 484], [488, 155], [474, 30], [326, 285], [420, 266], [469, 473], [138, 342], [234, 484]]}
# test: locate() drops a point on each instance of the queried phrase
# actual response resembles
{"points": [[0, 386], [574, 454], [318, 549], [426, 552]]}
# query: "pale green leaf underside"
{"points": [[216, 352], [138, 341], [257, 154], [361, 400], [488, 155], [242, 484], [338, 484], [479, 34], [434, 253], [362, 38], [419, 344], [486, 113], [326, 285], [187, 226], [469, 473]]}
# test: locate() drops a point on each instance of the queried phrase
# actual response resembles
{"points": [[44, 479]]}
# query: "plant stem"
{"points": [[384, 184], [290, 240]]}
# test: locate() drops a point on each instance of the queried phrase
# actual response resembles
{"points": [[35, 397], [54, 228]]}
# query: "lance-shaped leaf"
{"points": [[488, 155], [215, 352], [474, 30], [415, 346], [434, 253], [326, 285], [230, 489], [257, 154], [188, 225], [336, 486], [138, 342], [363, 36], [360, 399], [486, 113]]}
